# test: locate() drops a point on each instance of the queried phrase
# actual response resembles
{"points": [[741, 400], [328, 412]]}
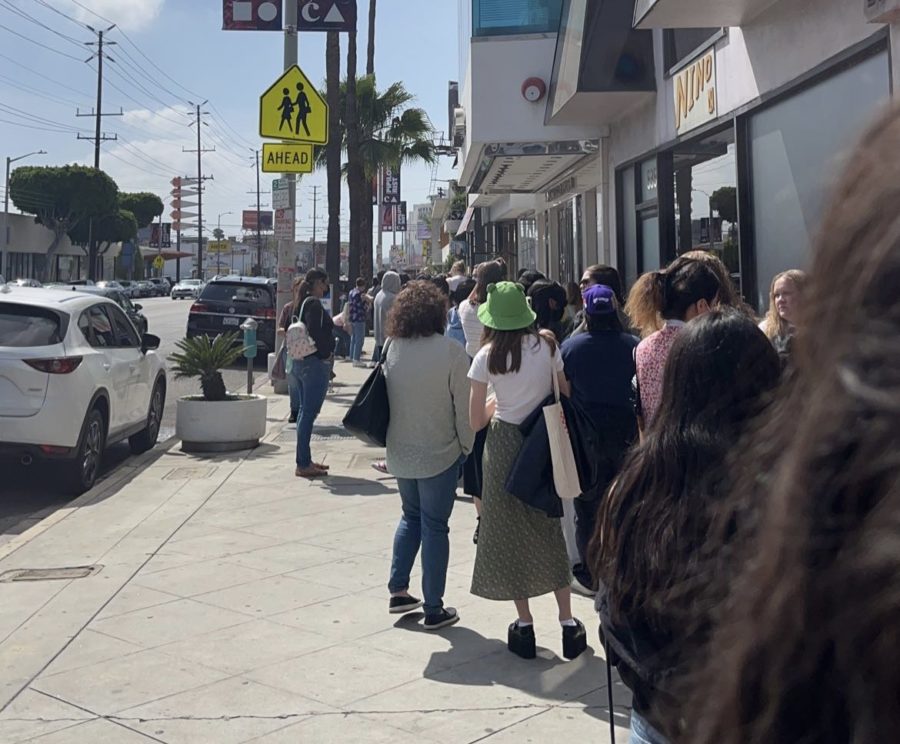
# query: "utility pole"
{"points": [[200, 179], [5, 246], [315, 202], [98, 114]]}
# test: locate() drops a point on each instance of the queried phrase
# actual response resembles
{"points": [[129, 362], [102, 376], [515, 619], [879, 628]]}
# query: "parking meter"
{"points": [[249, 327]]}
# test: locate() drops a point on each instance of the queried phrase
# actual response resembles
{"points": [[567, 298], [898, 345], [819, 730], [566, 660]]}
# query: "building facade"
{"points": [[630, 131]]}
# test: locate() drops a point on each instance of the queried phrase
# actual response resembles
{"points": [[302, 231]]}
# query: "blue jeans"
{"points": [[293, 392], [427, 505], [311, 379], [357, 337], [642, 732]]}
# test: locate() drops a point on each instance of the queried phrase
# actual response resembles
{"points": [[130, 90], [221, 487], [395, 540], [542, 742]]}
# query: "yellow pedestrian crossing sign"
{"points": [[158, 263], [287, 157], [292, 109]]}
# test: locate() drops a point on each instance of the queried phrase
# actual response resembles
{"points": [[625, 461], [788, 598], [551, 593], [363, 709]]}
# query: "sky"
{"points": [[170, 52]]}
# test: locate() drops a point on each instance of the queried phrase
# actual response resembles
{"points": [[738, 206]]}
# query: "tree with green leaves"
{"points": [[62, 199], [145, 207], [724, 201]]}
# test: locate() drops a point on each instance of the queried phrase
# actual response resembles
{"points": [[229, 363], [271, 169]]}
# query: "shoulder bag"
{"points": [[562, 455], [370, 413], [298, 341]]}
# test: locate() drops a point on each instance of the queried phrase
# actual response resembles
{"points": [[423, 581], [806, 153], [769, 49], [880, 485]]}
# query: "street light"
{"points": [[5, 248], [219, 252]]}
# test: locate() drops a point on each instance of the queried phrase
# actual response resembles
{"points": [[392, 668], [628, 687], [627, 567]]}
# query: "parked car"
{"points": [[147, 289], [25, 283], [228, 301], [189, 288], [131, 309], [128, 287], [110, 284], [160, 287], [76, 377]]}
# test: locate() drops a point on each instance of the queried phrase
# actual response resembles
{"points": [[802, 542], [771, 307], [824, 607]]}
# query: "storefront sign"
{"points": [[696, 97], [561, 189]]}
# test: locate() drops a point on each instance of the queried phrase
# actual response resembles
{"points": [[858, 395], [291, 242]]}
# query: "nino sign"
{"points": [[696, 97]]}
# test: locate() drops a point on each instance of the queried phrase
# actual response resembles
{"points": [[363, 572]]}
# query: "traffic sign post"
{"points": [[287, 158], [293, 109]]}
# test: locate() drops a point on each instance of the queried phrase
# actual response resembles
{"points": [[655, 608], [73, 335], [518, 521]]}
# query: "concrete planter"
{"points": [[221, 426]]}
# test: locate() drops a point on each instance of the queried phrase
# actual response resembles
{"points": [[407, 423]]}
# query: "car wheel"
{"points": [[145, 439], [86, 466]]}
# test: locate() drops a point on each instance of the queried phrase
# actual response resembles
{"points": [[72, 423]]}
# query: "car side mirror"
{"points": [[138, 307], [149, 342]]}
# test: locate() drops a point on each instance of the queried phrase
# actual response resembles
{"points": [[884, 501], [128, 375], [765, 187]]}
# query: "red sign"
{"points": [[251, 15], [326, 15], [387, 217], [248, 222]]}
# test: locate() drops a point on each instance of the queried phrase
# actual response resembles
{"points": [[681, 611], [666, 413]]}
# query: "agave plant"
{"points": [[203, 357]]}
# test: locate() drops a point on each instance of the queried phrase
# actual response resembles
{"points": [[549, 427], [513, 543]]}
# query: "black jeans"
{"points": [[585, 523]]}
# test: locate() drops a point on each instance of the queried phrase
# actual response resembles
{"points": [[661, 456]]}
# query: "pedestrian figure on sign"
{"points": [[287, 110], [303, 109]]}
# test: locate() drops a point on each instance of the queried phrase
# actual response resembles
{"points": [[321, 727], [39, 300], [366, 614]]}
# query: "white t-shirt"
{"points": [[519, 393], [472, 327]]}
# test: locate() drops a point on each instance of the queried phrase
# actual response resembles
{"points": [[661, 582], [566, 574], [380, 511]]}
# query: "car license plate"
{"points": [[231, 321]]}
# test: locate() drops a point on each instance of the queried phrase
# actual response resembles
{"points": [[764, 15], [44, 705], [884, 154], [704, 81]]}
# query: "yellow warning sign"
{"points": [[218, 246], [292, 109], [158, 262], [287, 158]]}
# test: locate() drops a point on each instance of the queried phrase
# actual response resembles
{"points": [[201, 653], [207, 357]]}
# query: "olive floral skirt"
{"points": [[521, 551]]}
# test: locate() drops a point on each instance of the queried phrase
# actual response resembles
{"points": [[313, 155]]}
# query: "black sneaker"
{"points": [[293, 418], [399, 605], [447, 616], [520, 640], [574, 640]]}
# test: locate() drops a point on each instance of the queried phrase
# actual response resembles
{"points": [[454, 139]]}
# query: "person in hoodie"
{"points": [[390, 286]]}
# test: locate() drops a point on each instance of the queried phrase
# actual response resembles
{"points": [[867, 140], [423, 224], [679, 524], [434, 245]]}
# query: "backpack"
{"points": [[297, 340]]}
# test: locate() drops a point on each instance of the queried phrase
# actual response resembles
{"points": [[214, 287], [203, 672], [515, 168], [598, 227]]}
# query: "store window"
{"points": [[528, 243], [683, 44], [706, 205], [639, 248], [798, 147]]}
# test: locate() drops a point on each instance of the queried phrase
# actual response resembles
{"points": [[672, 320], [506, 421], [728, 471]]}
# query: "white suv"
{"points": [[75, 376]]}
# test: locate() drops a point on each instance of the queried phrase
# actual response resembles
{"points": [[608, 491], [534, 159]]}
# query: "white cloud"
{"points": [[130, 15]]}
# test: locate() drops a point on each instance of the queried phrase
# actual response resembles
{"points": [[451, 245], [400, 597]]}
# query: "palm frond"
{"points": [[202, 355]]}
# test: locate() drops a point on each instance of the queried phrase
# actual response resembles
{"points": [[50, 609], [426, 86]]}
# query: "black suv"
{"points": [[228, 301]]}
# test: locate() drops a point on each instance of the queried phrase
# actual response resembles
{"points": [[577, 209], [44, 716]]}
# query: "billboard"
{"points": [[266, 220]]}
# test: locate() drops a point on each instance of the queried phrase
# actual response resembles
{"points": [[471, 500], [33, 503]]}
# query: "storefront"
{"points": [[748, 184]]}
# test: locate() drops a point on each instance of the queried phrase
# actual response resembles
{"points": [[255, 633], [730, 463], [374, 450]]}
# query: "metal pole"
{"points": [[259, 246], [5, 246], [378, 208], [286, 267], [249, 377], [178, 251]]}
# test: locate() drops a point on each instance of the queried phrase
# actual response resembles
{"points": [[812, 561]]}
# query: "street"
{"points": [[28, 495]]}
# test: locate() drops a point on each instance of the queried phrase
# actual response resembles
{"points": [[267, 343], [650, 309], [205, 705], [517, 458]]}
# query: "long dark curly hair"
{"points": [[809, 646]]}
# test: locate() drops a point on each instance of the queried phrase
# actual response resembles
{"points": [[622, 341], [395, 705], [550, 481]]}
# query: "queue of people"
{"points": [[739, 534]]}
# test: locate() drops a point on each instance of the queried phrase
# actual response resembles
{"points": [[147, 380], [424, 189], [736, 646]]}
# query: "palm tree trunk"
{"points": [[333, 154], [370, 60], [355, 176]]}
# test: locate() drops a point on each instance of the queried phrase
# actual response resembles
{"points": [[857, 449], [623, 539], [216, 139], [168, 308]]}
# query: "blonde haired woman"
{"points": [[785, 304]]}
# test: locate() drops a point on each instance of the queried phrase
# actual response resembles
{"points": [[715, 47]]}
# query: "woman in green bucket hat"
{"points": [[521, 551]]}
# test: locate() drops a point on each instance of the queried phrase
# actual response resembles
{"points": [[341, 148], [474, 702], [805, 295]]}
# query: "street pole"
{"points": [[286, 266], [315, 208], [5, 246], [178, 251], [200, 181], [259, 245], [380, 193]]}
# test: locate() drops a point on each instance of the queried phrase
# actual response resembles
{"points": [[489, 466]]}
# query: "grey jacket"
{"points": [[390, 286]]}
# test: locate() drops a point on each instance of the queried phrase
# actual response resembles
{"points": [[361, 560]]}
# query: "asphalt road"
{"points": [[27, 495]]}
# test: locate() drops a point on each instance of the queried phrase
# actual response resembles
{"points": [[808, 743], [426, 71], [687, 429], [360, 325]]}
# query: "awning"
{"points": [[464, 226], [168, 254], [696, 13]]}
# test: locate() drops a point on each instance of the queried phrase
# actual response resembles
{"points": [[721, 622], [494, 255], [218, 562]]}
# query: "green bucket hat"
{"points": [[506, 308]]}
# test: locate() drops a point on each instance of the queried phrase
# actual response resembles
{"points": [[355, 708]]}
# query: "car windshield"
{"points": [[22, 326], [191, 282], [222, 292]]}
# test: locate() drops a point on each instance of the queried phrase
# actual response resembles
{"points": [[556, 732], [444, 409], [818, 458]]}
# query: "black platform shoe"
{"points": [[574, 640], [520, 640]]}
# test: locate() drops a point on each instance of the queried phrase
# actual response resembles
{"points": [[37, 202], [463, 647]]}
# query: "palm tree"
{"points": [[370, 61], [333, 155]]}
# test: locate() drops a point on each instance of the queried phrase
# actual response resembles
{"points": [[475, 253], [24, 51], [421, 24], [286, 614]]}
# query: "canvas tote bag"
{"points": [[562, 456]]}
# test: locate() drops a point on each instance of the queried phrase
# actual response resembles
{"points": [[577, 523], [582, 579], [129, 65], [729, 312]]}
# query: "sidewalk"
{"points": [[237, 603]]}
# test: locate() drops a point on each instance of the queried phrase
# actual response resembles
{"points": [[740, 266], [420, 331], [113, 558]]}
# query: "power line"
{"points": [[30, 18], [37, 43], [58, 12]]}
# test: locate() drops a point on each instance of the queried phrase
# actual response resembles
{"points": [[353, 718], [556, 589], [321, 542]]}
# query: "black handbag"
{"points": [[370, 414]]}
